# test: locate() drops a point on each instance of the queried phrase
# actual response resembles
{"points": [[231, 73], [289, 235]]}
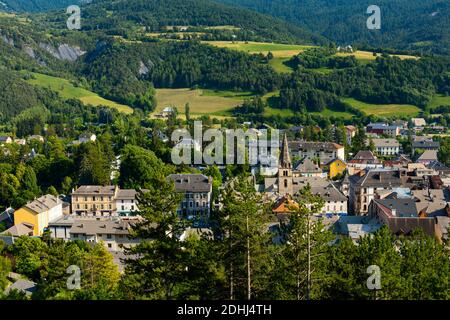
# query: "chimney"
{"points": [[394, 212]]}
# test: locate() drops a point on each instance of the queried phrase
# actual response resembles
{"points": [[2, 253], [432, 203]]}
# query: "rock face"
{"points": [[7, 40], [143, 70], [63, 52]]}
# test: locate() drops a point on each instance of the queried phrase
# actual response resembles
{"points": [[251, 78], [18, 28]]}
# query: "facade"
{"points": [[197, 190], [94, 201], [112, 233], [324, 151], [336, 167], [307, 168], [401, 216], [5, 140], [425, 145], [37, 214], [387, 147], [363, 160], [383, 129], [126, 202], [366, 185]]}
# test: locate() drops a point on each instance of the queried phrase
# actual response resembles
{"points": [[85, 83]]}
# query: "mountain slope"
{"points": [[35, 5], [405, 24], [124, 17]]}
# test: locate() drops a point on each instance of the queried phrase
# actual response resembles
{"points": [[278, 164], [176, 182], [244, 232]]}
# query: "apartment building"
{"points": [[37, 214], [324, 151], [387, 147], [197, 190], [95, 201], [367, 184], [383, 129]]}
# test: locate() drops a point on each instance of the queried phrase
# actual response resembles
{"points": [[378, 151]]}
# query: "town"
{"points": [[396, 179]]}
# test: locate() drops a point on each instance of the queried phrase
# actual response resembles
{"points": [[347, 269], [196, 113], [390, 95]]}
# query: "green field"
{"points": [[68, 91], [201, 102], [278, 50], [383, 110], [278, 65], [367, 56], [439, 100]]}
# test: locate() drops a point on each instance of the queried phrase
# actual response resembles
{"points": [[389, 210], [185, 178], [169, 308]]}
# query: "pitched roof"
{"points": [[428, 155], [378, 178], [93, 227], [386, 143], [126, 194], [365, 155], [191, 182], [327, 146], [425, 144], [285, 159], [307, 165], [403, 207], [19, 230], [95, 190], [43, 203]]}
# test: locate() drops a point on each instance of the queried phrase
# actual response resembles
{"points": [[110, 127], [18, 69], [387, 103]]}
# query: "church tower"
{"points": [[285, 183]]}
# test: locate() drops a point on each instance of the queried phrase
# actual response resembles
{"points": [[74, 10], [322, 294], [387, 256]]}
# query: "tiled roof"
{"points": [[95, 190], [191, 182], [43, 203]]}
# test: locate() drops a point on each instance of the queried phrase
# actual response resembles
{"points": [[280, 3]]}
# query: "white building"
{"points": [[387, 147], [126, 203]]}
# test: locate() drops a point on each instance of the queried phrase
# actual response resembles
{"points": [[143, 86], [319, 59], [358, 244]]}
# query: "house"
{"points": [[35, 137], [23, 229], [21, 285], [87, 137], [38, 213], [428, 157], [431, 202], [418, 122], [283, 207], [334, 200], [383, 129], [364, 159], [401, 216], [307, 168], [197, 191], [365, 186], [112, 233], [336, 168], [126, 202], [20, 142], [350, 132], [386, 147], [94, 200], [324, 151], [60, 227], [5, 140], [425, 145]]}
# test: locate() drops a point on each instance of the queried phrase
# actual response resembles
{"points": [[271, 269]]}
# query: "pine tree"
{"points": [[243, 224], [158, 264]]}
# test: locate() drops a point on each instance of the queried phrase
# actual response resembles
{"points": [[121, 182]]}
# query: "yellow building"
{"points": [[38, 213], [336, 167]]}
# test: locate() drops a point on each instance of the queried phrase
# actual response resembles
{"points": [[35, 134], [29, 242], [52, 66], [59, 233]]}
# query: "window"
{"points": [[85, 198], [123, 208], [285, 183], [109, 245], [75, 235], [132, 207], [108, 236]]}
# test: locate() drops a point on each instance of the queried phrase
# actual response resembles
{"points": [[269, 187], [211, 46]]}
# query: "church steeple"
{"points": [[285, 178], [285, 159]]}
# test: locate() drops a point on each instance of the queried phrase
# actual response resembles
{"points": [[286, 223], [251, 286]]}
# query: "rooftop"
{"points": [[191, 182], [43, 203], [95, 190]]}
